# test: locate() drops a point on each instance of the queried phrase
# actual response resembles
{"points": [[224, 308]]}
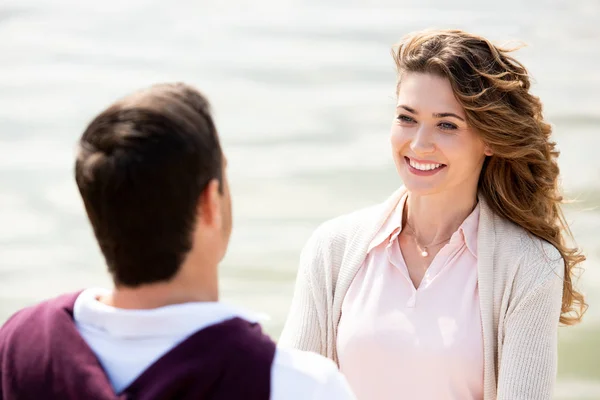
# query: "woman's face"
{"points": [[434, 149]]}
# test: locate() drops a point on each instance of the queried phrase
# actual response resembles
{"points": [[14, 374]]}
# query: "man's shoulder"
{"points": [[306, 375], [304, 364], [35, 313]]}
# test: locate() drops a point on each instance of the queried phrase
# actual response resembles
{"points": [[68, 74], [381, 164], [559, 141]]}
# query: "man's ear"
{"points": [[209, 204]]}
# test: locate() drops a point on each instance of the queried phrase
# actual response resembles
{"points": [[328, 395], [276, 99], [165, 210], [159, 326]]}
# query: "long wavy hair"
{"points": [[520, 181]]}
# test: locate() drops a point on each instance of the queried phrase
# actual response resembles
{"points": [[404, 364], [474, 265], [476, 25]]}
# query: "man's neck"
{"points": [[196, 281], [155, 295], [144, 299]]}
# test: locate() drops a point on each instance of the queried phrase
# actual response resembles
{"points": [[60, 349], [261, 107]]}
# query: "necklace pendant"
{"points": [[424, 253]]}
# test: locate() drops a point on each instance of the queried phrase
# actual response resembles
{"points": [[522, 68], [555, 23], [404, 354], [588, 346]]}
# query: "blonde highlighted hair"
{"points": [[520, 181]]}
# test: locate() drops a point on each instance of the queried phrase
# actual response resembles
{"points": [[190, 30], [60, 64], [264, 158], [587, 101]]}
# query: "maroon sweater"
{"points": [[42, 356]]}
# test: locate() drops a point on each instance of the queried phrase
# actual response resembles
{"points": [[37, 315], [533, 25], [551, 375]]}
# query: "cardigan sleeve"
{"points": [[529, 352], [305, 327]]}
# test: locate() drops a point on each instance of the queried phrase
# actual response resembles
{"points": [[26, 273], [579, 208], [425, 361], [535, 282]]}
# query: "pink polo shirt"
{"points": [[398, 342]]}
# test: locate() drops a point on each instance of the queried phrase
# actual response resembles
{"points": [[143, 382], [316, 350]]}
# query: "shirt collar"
{"points": [[469, 229], [392, 227], [170, 320]]}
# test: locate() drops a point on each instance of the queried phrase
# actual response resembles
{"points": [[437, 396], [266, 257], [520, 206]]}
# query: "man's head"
{"points": [[151, 174]]}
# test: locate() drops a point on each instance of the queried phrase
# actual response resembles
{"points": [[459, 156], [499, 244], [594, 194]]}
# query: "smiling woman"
{"points": [[431, 137], [436, 292]]}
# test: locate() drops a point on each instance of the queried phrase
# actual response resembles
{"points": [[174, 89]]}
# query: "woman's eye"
{"points": [[405, 118], [447, 126]]}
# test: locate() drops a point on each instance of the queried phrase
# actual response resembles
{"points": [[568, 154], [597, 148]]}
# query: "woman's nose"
{"points": [[422, 142]]}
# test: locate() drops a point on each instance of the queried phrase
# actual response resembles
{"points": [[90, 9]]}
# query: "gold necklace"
{"points": [[423, 249]]}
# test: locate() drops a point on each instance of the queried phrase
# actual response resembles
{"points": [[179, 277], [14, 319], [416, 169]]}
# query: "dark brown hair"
{"points": [[520, 181], [141, 168]]}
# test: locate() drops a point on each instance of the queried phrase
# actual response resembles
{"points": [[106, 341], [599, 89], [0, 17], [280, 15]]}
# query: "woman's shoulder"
{"points": [[356, 226], [533, 259], [335, 233]]}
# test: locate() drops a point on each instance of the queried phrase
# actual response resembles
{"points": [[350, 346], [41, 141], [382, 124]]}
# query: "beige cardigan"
{"points": [[520, 286]]}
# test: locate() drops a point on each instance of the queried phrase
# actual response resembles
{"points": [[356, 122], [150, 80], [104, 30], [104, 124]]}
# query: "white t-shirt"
{"points": [[127, 342]]}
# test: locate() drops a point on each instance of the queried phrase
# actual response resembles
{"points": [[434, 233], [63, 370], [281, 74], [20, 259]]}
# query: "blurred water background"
{"points": [[303, 95]]}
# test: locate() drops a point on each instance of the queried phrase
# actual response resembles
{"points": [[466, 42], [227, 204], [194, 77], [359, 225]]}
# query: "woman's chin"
{"points": [[420, 188]]}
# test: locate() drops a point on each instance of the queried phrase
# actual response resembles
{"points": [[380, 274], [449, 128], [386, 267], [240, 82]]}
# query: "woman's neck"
{"points": [[436, 217]]}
